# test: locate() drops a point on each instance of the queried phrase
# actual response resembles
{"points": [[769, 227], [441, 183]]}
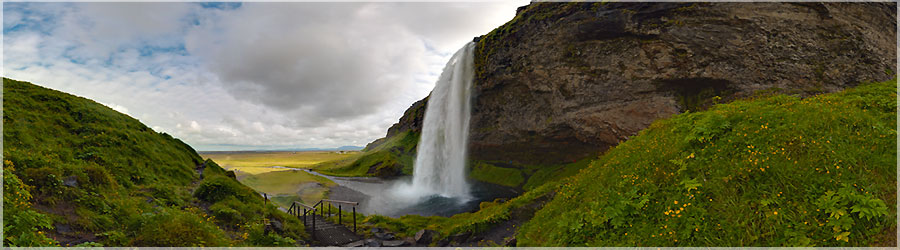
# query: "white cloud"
{"points": [[265, 75]]}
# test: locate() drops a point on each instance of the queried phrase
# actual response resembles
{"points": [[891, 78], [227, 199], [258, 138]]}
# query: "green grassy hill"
{"points": [[775, 171], [771, 171], [75, 171], [394, 157]]}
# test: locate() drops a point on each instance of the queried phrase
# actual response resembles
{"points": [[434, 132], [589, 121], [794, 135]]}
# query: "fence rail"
{"points": [[321, 207]]}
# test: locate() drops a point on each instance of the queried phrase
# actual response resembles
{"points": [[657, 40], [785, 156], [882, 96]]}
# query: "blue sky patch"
{"points": [[221, 5]]}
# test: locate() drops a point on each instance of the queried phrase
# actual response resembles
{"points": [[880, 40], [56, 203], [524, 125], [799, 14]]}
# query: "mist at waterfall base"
{"points": [[382, 197], [438, 185]]}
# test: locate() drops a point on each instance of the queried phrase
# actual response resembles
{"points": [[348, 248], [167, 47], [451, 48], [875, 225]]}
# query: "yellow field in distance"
{"points": [[263, 162]]}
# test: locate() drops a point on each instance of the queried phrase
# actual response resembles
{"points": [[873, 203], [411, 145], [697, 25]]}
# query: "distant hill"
{"points": [[350, 148], [342, 148], [77, 172]]}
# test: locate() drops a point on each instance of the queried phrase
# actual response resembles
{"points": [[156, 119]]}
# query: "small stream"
{"points": [[386, 196]]}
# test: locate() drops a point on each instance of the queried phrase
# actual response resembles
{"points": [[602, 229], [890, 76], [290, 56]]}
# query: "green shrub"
{"points": [[176, 228], [218, 188], [45, 177], [258, 237], [99, 177], [250, 211], [22, 226], [166, 195], [225, 214]]}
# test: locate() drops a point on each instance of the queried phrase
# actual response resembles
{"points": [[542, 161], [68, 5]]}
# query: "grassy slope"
{"points": [[525, 177], [135, 187], [733, 183], [777, 171], [393, 157], [284, 186]]}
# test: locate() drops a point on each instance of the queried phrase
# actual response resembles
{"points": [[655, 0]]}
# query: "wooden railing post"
{"points": [[314, 225]]}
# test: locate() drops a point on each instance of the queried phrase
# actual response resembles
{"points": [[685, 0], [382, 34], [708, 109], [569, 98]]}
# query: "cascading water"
{"points": [[438, 185], [441, 157]]}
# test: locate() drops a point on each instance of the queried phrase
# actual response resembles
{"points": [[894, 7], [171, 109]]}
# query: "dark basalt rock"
{"points": [[373, 243], [424, 236]]}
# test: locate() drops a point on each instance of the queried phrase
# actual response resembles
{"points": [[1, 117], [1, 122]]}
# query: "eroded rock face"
{"points": [[563, 81], [572, 79]]}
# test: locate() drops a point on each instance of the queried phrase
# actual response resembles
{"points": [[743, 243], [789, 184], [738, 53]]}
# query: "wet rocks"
{"points": [[358, 243], [393, 243], [373, 243], [384, 236]]}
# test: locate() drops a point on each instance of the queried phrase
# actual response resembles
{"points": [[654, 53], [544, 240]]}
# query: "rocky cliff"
{"points": [[562, 81]]}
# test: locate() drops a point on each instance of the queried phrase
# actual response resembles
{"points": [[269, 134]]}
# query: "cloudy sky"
{"points": [[246, 76]]}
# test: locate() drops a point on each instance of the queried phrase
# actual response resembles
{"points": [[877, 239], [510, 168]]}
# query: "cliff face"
{"points": [[562, 81]]}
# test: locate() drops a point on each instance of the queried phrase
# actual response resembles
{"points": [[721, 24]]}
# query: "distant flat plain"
{"points": [[255, 162], [270, 172]]}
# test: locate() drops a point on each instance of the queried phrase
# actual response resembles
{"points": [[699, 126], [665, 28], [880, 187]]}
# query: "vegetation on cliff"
{"points": [[77, 172], [775, 171], [393, 156]]}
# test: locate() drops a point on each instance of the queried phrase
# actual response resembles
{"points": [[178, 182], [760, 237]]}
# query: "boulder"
{"points": [[393, 243], [278, 226], [358, 243], [460, 237], [384, 236], [373, 243], [443, 242], [424, 236], [70, 181], [62, 228]]}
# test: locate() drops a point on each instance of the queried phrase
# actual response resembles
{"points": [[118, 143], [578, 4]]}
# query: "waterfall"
{"points": [[440, 167]]}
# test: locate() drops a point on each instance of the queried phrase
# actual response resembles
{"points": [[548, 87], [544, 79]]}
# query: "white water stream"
{"points": [[438, 185], [440, 167]]}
